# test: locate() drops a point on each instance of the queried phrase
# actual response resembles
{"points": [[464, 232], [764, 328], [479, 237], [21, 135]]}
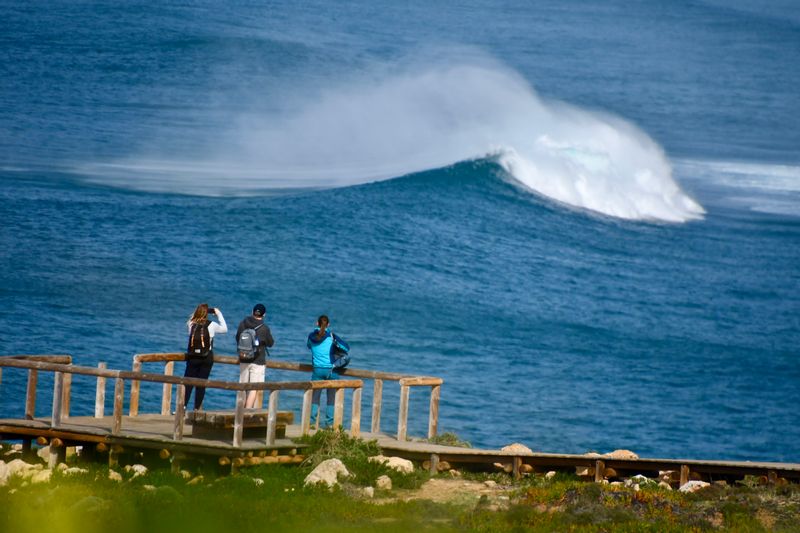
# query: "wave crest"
{"points": [[414, 119]]}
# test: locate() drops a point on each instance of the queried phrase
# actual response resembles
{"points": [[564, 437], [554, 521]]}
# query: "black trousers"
{"points": [[197, 368]]}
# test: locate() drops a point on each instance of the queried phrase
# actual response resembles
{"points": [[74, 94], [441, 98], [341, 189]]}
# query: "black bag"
{"points": [[341, 353], [200, 345]]}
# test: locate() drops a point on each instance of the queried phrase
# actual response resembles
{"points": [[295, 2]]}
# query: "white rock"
{"points": [[75, 470], [113, 475], [621, 454], [185, 474], [550, 475], [3, 473], [42, 476], [138, 470], [383, 483], [196, 481], [639, 479], [149, 488], [61, 467], [17, 467], [16, 448], [516, 448], [399, 464], [616, 484], [258, 481], [693, 486], [327, 472], [368, 492], [44, 453], [490, 483]]}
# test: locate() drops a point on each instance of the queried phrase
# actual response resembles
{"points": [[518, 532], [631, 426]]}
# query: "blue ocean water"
{"points": [[584, 216]]}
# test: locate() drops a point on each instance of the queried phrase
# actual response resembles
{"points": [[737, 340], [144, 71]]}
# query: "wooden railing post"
{"points": [[599, 470], [100, 394], [177, 427], [58, 396], [166, 396], [133, 409], [402, 413], [119, 394], [259, 399], [377, 396], [66, 393], [238, 420], [305, 416], [355, 418], [338, 409], [433, 418], [30, 397], [272, 417]]}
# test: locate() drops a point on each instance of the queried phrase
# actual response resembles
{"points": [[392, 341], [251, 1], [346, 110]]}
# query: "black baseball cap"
{"points": [[259, 310]]}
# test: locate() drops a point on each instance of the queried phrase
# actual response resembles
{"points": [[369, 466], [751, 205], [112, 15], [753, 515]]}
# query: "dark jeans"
{"points": [[197, 368]]}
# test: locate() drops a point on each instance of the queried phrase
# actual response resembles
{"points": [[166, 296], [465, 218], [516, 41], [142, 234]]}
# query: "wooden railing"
{"points": [[61, 407], [33, 379], [405, 381]]}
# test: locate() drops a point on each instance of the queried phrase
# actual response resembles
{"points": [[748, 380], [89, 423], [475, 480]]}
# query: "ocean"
{"points": [[584, 216]]}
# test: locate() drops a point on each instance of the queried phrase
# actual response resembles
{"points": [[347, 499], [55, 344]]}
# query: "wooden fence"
{"points": [[405, 381], [64, 371]]}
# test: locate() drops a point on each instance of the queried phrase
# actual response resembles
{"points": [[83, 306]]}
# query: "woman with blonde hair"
{"points": [[200, 351]]}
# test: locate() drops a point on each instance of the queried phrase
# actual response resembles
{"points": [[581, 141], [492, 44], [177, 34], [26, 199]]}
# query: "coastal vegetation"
{"points": [[87, 498]]}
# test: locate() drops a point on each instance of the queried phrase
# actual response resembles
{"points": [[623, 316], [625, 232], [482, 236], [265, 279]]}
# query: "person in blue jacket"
{"points": [[322, 342]]}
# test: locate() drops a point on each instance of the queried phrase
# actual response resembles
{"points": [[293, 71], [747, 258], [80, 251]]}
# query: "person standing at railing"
{"points": [[253, 337], [200, 351], [323, 343]]}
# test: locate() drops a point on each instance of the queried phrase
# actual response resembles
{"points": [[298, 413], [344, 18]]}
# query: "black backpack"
{"points": [[200, 344]]}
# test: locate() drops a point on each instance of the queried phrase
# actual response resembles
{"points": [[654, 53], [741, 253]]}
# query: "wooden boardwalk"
{"points": [[163, 434]]}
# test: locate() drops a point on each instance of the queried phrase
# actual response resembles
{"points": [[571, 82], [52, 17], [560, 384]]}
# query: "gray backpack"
{"points": [[248, 345]]}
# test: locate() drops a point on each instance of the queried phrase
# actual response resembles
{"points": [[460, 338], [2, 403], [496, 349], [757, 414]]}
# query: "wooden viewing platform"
{"points": [[245, 437]]}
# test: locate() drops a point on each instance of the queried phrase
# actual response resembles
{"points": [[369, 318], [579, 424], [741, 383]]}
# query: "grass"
{"points": [[161, 501]]}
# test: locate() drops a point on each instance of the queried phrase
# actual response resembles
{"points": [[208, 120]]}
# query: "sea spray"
{"points": [[423, 117]]}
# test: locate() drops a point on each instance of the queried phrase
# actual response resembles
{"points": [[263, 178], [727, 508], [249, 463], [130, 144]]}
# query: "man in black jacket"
{"points": [[254, 372]]}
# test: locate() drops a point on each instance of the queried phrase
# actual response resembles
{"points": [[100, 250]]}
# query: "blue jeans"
{"points": [[320, 374]]}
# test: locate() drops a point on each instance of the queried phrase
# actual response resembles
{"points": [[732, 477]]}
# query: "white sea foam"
{"points": [[413, 119], [767, 188]]}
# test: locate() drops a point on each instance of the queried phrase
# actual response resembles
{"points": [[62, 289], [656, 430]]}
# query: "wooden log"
{"points": [[599, 470], [30, 396], [164, 454], [133, 408], [58, 396], [305, 416], [338, 409], [41, 441], [684, 475], [56, 442], [100, 394], [237, 461], [119, 393], [180, 415], [402, 414], [772, 477], [101, 447], [166, 394], [272, 418], [224, 460], [377, 396], [66, 395], [433, 416], [355, 415], [238, 424]]}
